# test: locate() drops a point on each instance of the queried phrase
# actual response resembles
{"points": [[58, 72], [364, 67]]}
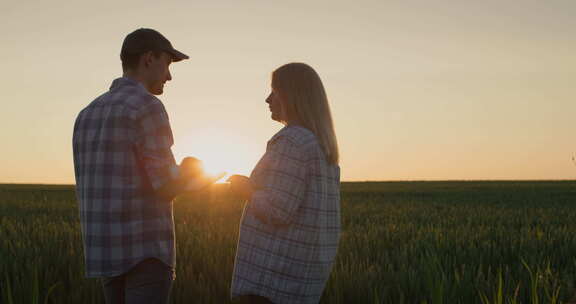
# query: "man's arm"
{"points": [[172, 188], [153, 142], [189, 177]]}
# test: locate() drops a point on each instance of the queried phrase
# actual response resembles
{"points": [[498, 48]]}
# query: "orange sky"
{"points": [[419, 89]]}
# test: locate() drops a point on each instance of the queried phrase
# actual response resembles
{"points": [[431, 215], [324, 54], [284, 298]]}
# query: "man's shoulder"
{"points": [[131, 98], [138, 98]]}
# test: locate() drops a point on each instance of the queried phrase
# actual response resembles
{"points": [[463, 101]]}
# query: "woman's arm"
{"points": [[283, 187]]}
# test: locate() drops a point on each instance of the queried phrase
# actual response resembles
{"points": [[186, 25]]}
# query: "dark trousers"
{"points": [[149, 282], [251, 299]]}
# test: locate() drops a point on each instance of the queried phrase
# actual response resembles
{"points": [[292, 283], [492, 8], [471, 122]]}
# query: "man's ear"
{"points": [[146, 59]]}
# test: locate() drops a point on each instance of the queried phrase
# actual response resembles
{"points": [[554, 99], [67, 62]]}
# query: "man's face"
{"points": [[158, 71]]}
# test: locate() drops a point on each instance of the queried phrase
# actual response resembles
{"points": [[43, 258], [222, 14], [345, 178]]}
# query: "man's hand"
{"points": [[241, 186], [193, 175], [191, 167], [191, 178]]}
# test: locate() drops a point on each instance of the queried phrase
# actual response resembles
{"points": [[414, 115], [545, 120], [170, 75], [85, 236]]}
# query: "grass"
{"points": [[402, 242]]}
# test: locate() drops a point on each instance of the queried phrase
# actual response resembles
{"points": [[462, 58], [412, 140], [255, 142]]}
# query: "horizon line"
{"points": [[360, 181]]}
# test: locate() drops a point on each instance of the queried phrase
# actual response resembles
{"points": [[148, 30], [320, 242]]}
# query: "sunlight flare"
{"points": [[227, 155]]}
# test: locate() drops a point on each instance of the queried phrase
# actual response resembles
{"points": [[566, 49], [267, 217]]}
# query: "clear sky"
{"points": [[420, 90]]}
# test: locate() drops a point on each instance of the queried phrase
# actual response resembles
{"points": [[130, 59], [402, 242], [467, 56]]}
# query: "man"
{"points": [[126, 176]]}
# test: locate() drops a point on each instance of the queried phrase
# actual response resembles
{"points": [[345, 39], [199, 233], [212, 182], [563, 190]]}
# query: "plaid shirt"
{"points": [[122, 154], [290, 228]]}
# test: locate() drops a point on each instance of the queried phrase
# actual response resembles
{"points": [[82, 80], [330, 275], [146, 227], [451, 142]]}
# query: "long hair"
{"points": [[304, 100]]}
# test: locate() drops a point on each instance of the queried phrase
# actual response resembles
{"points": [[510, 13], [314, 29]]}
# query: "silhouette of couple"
{"points": [[126, 179]]}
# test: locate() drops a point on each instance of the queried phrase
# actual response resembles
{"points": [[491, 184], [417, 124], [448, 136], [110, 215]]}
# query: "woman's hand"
{"points": [[241, 186]]}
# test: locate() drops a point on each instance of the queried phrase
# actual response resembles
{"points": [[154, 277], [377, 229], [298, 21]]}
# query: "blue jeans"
{"points": [[149, 282]]}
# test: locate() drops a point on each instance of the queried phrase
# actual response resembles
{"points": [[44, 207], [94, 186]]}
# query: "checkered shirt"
{"points": [[122, 154], [291, 226]]}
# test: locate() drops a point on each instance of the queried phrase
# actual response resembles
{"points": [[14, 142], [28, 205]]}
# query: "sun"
{"points": [[217, 162], [222, 156]]}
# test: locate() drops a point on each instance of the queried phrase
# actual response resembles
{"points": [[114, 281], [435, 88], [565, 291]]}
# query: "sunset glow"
{"points": [[219, 153], [419, 90]]}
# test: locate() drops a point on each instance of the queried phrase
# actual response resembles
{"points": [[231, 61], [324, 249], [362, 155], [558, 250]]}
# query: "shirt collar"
{"points": [[125, 81]]}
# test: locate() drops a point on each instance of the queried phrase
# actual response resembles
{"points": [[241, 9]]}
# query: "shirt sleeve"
{"points": [[154, 141], [283, 186]]}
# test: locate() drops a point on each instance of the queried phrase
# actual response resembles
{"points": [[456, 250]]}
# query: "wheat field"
{"points": [[402, 242]]}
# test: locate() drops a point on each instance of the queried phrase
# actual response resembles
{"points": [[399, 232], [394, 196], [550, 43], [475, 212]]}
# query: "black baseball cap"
{"points": [[144, 39]]}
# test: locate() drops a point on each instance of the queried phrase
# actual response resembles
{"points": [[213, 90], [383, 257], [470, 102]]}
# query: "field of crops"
{"points": [[402, 242]]}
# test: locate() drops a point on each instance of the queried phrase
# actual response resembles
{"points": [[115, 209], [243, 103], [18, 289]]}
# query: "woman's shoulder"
{"points": [[296, 135]]}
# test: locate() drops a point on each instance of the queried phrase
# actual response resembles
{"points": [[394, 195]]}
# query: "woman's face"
{"points": [[275, 105]]}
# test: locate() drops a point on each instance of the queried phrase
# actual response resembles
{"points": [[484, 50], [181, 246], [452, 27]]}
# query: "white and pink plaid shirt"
{"points": [[291, 226], [122, 155]]}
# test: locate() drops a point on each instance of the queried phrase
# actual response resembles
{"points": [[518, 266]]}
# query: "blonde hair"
{"points": [[304, 100]]}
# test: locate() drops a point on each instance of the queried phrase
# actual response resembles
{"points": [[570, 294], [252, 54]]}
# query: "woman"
{"points": [[291, 224]]}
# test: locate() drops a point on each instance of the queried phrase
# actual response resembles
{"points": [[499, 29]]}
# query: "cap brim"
{"points": [[177, 55]]}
